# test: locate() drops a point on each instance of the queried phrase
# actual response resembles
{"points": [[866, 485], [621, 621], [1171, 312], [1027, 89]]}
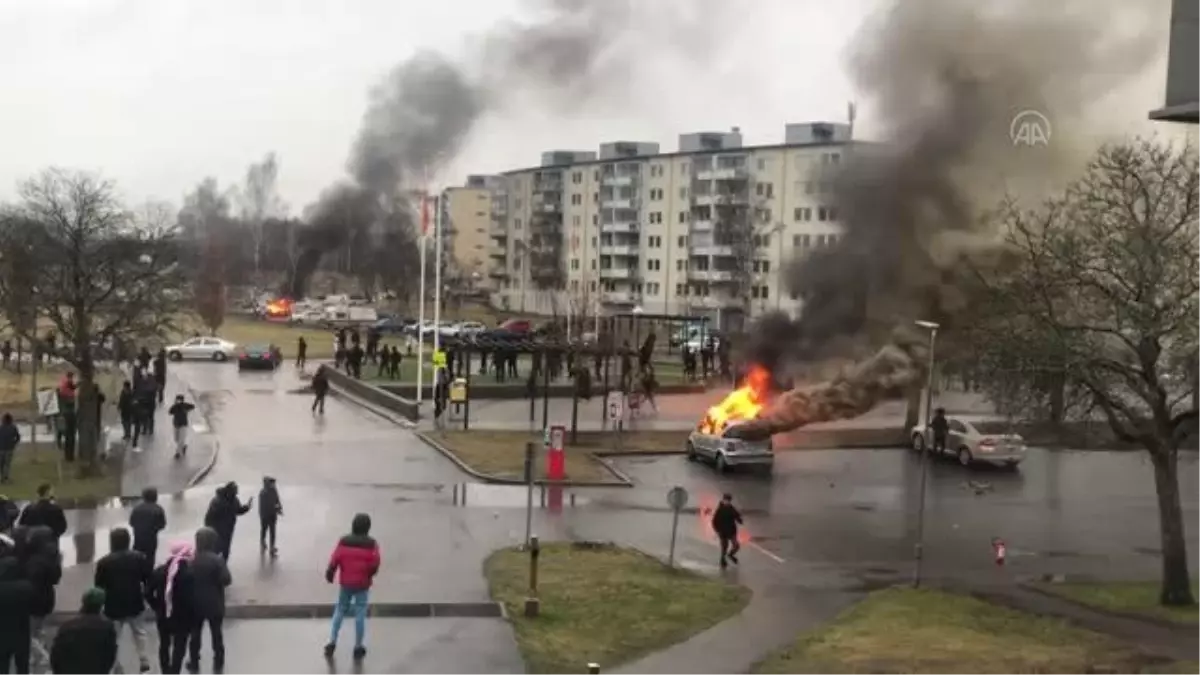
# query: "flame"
{"points": [[280, 307], [743, 403]]}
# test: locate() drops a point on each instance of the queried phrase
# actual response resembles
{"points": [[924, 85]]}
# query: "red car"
{"points": [[517, 326]]}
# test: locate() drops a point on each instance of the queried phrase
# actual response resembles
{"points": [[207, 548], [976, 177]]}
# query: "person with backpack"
{"points": [[86, 643], [210, 578], [171, 594], [179, 421], [146, 520], [270, 508], [122, 575], [354, 562]]}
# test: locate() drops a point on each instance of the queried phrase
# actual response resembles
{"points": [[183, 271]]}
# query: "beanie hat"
{"points": [[93, 601]]}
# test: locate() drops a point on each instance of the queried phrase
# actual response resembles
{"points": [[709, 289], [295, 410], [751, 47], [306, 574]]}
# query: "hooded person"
{"points": [[171, 594], [270, 508], [122, 575], [88, 642], [222, 515], [16, 606], [210, 578], [45, 512], [354, 563], [42, 563], [146, 520]]}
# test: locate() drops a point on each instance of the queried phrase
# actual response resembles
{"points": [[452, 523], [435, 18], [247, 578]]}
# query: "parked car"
{"points": [[202, 348], [465, 328], [308, 317], [725, 452], [970, 445], [393, 325], [260, 357]]}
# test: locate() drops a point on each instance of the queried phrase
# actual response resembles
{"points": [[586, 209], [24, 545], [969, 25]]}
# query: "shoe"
{"points": [[193, 666], [359, 653], [274, 553], [329, 650], [733, 558], [724, 564], [144, 668], [177, 455]]}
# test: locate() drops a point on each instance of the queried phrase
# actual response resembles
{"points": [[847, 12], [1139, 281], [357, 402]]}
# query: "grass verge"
{"points": [[16, 396], [34, 465], [502, 453], [904, 630], [1130, 597], [606, 605]]}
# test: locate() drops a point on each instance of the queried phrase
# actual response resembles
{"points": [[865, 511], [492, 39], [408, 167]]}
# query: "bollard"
{"points": [[594, 668], [532, 604]]}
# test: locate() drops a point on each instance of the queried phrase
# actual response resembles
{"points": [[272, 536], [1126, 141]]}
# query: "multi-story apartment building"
{"points": [[466, 229], [705, 230]]}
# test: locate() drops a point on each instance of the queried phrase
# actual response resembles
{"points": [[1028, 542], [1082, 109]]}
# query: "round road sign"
{"points": [[677, 498]]}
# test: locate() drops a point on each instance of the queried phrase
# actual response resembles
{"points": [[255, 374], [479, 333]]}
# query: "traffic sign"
{"points": [[616, 406], [47, 402], [677, 498]]}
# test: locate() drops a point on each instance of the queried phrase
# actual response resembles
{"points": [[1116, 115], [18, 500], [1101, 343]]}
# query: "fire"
{"points": [[743, 403], [279, 308]]}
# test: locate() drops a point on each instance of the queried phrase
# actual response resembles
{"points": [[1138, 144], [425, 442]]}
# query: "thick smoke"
{"points": [[948, 77], [566, 54]]}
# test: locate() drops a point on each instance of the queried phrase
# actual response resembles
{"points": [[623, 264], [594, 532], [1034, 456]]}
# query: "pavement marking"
{"points": [[765, 552]]}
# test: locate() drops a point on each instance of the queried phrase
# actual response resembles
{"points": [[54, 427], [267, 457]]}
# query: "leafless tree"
{"points": [[97, 273], [259, 201], [1101, 300]]}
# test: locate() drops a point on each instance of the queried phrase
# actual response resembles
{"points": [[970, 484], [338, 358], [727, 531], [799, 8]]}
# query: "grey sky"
{"points": [[159, 94]]}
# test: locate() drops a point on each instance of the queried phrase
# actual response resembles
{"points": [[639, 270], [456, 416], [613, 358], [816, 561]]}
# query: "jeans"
{"points": [[266, 531], [138, 628], [172, 646], [181, 435], [6, 457], [353, 602], [218, 641]]}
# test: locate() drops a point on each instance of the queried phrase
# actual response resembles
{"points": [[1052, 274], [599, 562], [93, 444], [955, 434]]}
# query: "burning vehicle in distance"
{"points": [[715, 440]]}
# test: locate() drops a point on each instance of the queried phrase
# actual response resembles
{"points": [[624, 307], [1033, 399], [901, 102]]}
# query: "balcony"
{"points": [[621, 297], [711, 249], [620, 227], [736, 173], [498, 231], [618, 181], [498, 271], [711, 276], [701, 226], [620, 249], [618, 273], [618, 203]]}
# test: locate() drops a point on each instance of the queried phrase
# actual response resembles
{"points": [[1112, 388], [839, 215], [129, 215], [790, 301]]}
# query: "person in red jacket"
{"points": [[355, 561]]}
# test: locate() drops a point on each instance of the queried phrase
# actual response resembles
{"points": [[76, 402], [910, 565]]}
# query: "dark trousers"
{"points": [[172, 646], [147, 548], [266, 531], [14, 654], [196, 641], [729, 546], [126, 425], [939, 443], [161, 386], [300, 360], [319, 402]]}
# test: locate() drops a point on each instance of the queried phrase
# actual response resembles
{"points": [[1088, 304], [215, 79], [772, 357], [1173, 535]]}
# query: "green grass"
{"points": [[904, 630], [1136, 597], [34, 465], [16, 396], [502, 453], [604, 605]]}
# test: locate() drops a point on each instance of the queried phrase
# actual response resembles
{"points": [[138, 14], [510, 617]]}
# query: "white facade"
{"points": [[641, 228]]}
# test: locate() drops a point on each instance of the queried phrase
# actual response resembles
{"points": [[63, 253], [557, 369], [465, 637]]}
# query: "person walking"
{"points": [[171, 592], [320, 387], [145, 395], [725, 521], [301, 352], [179, 421], [160, 374], [122, 575], [940, 428], [10, 437], [16, 607], [222, 515], [355, 562], [127, 407], [88, 642], [270, 508], [45, 512], [146, 520], [210, 578], [43, 567]]}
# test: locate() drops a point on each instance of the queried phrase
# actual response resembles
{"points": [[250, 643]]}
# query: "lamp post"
{"points": [[918, 548]]}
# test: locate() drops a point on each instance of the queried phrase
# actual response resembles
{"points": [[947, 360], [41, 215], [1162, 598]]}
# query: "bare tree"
{"points": [[97, 274], [1103, 293], [259, 201]]}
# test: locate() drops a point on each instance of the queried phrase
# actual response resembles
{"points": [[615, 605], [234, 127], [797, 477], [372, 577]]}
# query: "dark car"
{"points": [[394, 325], [260, 357]]}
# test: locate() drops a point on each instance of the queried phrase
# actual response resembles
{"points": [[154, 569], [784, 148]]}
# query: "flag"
{"points": [[425, 215]]}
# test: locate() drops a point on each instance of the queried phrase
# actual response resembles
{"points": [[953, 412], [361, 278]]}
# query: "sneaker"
{"points": [[143, 667], [733, 558], [329, 650], [359, 653], [724, 564], [274, 553], [177, 455]]}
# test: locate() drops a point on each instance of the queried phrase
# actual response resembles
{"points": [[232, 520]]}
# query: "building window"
{"points": [[679, 265], [595, 219], [683, 193], [576, 221], [577, 177], [683, 216], [764, 190], [765, 292], [802, 214], [801, 241], [574, 263], [517, 224], [595, 197], [593, 269], [684, 168], [822, 214], [656, 218], [762, 163], [682, 241], [832, 212], [654, 264]]}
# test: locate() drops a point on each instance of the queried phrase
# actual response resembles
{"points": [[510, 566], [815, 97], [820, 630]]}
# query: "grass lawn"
{"points": [[16, 397], [605, 605], [502, 453], [904, 630], [1135, 597], [34, 465]]}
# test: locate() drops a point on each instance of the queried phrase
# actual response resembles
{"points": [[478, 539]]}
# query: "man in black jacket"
{"points": [[122, 575], [10, 436], [16, 604], [210, 578], [43, 568], [160, 373], [320, 387], [45, 512], [269, 509], [725, 523], [87, 643], [171, 593], [127, 407], [222, 515], [146, 520]]}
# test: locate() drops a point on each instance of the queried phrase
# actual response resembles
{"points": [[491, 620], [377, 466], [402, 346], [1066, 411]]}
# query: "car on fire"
{"points": [[260, 357], [970, 445], [204, 348], [725, 451]]}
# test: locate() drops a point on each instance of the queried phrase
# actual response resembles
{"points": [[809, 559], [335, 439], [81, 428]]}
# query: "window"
{"points": [[682, 241], [684, 168], [596, 177], [679, 288], [656, 194], [595, 219], [577, 177], [802, 214], [576, 199], [517, 224], [683, 193], [822, 214], [595, 197], [652, 288], [654, 242], [656, 218], [576, 220], [801, 241], [763, 266], [683, 216], [593, 269], [764, 190], [679, 265], [574, 263], [654, 264], [765, 292], [762, 163]]}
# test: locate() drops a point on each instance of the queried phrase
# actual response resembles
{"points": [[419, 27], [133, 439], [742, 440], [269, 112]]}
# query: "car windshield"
{"points": [[258, 349]]}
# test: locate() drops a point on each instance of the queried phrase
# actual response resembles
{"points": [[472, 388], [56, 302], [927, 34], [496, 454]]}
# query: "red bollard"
{"points": [[1000, 549], [554, 501]]}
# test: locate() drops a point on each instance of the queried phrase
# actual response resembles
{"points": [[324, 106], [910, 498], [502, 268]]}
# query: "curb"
{"points": [[622, 479], [388, 415], [203, 471], [1040, 588], [392, 610]]}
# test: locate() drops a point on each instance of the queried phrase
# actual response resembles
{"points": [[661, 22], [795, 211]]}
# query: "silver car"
{"points": [[725, 452], [205, 348], [970, 445]]}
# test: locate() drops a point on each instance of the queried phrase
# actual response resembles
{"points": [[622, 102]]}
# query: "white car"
{"points": [[307, 316], [725, 453], [467, 328], [970, 445], [202, 348]]}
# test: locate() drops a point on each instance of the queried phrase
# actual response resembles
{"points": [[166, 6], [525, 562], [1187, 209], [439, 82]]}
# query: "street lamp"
{"points": [[918, 548]]}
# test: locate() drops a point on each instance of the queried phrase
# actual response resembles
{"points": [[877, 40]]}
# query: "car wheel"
{"points": [[721, 464], [175, 356], [691, 452], [964, 457], [219, 357], [918, 443]]}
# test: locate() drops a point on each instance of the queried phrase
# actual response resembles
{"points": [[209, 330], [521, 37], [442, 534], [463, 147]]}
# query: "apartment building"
{"points": [[466, 229], [704, 230]]}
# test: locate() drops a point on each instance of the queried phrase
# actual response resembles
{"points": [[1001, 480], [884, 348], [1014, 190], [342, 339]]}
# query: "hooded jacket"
{"points": [[183, 595], [45, 513], [10, 436], [223, 511], [84, 644], [146, 520], [43, 567], [16, 602], [210, 576], [725, 520], [269, 505], [355, 560], [122, 576]]}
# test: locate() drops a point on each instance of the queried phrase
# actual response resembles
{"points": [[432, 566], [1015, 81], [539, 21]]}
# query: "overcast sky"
{"points": [[158, 94]]}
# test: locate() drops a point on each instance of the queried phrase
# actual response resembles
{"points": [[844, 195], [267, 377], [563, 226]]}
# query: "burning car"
{"points": [[279, 309], [715, 439]]}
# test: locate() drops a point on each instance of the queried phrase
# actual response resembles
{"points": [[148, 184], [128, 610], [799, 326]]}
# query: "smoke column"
{"points": [[565, 54], [949, 77]]}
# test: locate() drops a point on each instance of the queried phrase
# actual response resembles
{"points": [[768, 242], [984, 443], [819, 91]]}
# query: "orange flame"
{"points": [[281, 307], [743, 403]]}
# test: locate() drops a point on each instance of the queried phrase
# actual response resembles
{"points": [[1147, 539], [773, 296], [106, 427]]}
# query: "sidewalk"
{"points": [[153, 462]]}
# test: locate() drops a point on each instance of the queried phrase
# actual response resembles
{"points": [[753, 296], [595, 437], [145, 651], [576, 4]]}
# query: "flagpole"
{"points": [[421, 298], [437, 273]]}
